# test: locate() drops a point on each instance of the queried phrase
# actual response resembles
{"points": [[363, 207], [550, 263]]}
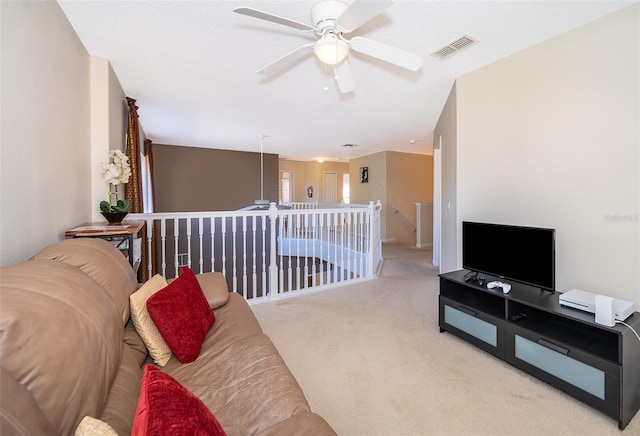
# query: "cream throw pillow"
{"points": [[94, 427], [158, 348]]}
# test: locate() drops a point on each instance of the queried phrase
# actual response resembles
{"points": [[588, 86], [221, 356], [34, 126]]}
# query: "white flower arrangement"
{"points": [[117, 170]]}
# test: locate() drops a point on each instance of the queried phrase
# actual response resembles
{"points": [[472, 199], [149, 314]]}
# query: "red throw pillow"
{"points": [[182, 315], [166, 407]]}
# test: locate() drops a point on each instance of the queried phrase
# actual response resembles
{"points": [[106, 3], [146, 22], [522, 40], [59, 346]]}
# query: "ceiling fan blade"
{"points": [[255, 13], [386, 53], [286, 60], [360, 12], [343, 77]]}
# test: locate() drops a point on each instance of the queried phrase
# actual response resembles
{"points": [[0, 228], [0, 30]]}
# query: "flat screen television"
{"points": [[513, 253]]}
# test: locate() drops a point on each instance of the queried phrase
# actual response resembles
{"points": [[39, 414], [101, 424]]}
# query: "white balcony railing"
{"points": [[269, 253]]}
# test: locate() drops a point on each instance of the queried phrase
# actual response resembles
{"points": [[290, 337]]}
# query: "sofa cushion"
{"points": [[214, 286], [182, 315], [120, 407], [90, 426], [102, 262], [133, 340], [166, 407], [156, 345]]}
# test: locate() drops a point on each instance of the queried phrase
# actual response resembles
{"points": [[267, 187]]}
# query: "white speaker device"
{"points": [[587, 301], [605, 313]]}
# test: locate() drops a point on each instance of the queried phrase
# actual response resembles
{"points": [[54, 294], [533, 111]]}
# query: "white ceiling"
{"points": [[192, 66]]}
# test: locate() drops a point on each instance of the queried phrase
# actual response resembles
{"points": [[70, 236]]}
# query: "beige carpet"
{"points": [[371, 360]]}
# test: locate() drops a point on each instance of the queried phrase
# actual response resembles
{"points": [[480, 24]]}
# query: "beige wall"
{"points": [[312, 174], [445, 137], [398, 180], [362, 193], [409, 180], [45, 153], [549, 137], [108, 127]]}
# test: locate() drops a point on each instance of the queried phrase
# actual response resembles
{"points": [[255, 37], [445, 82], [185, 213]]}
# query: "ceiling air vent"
{"points": [[453, 47]]}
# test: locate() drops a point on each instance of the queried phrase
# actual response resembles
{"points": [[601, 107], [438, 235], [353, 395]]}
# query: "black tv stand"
{"points": [[564, 347]]}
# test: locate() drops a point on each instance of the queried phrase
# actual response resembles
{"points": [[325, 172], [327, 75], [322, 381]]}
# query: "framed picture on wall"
{"points": [[364, 174]]}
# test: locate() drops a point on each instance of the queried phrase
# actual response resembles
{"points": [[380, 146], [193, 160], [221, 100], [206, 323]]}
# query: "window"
{"points": [[285, 187], [345, 188]]}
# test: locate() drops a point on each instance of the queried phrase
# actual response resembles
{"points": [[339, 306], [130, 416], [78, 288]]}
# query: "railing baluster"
{"points": [[290, 237], [273, 267], [264, 257], [298, 232], [150, 254], [163, 235], [306, 241], [361, 241], [223, 248], [212, 226], [234, 254], [188, 224], [254, 276], [314, 241], [244, 256], [200, 245], [321, 217], [176, 236], [335, 247], [348, 246]]}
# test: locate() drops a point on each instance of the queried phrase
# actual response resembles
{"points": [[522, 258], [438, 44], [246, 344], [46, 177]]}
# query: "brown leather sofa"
{"points": [[68, 350]]}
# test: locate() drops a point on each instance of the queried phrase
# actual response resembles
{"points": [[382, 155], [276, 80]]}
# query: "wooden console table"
{"points": [[117, 233]]}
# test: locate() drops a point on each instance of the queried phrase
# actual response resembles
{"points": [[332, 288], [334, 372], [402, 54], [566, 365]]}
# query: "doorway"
{"points": [[330, 187]]}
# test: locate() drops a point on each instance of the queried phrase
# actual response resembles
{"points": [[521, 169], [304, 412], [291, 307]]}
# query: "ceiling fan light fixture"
{"points": [[330, 49]]}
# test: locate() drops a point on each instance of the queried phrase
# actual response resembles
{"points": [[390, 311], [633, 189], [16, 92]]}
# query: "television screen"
{"points": [[521, 254]]}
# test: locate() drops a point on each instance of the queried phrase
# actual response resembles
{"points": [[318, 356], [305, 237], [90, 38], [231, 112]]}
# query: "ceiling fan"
{"points": [[332, 20]]}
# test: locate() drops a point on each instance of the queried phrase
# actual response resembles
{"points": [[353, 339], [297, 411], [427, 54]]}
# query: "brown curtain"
{"points": [[133, 191]]}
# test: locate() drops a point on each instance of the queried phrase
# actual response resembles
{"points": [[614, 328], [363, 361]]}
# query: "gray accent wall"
{"points": [[193, 179]]}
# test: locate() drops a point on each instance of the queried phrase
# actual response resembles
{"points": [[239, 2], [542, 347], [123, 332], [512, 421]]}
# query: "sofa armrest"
{"points": [[19, 412]]}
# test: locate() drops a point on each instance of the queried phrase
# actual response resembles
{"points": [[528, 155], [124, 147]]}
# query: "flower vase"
{"points": [[113, 194], [114, 217]]}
